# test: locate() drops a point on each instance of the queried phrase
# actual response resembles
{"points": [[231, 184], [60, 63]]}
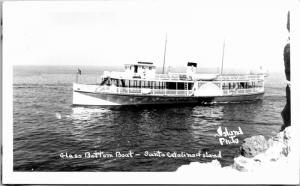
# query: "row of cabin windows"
{"points": [[136, 67], [241, 85], [150, 84], [177, 85]]}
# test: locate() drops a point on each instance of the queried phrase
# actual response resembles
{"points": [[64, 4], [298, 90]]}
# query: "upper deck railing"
{"points": [[157, 77], [172, 76], [194, 77], [243, 91], [241, 77]]}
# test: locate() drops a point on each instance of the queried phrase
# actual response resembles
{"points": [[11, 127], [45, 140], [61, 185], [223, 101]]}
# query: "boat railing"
{"points": [[243, 91], [185, 77], [142, 91], [162, 92], [241, 77], [171, 76]]}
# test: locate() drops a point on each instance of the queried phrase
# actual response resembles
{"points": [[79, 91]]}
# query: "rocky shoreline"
{"points": [[257, 154]]}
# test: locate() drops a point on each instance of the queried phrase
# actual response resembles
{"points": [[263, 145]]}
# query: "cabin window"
{"points": [[260, 84], [225, 86], [242, 85], [161, 85], [171, 85], [190, 86], [112, 82], [135, 68], [143, 84], [180, 86]]}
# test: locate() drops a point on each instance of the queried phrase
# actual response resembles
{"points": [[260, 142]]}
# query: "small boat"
{"points": [[139, 84]]}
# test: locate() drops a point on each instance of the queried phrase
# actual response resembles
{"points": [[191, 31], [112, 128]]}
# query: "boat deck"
{"points": [[156, 92]]}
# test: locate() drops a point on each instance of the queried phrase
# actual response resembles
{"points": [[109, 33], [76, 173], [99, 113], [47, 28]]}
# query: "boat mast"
{"points": [[223, 57], [163, 71], [221, 86]]}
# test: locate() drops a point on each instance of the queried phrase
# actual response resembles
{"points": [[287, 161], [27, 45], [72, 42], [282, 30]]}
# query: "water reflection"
{"points": [[247, 115], [205, 120], [85, 123], [85, 113], [167, 128]]}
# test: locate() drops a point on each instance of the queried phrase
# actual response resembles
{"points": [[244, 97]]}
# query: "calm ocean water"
{"points": [[46, 125]]}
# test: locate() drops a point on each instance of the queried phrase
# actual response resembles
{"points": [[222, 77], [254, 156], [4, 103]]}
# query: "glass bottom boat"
{"points": [[140, 85]]}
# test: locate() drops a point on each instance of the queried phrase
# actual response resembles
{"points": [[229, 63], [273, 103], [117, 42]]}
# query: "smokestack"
{"points": [[191, 68]]}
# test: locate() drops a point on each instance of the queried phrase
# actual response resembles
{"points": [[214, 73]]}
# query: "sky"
{"points": [[114, 32]]}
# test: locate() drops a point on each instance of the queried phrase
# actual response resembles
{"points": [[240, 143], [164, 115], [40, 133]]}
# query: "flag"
{"points": [[79, 71]]}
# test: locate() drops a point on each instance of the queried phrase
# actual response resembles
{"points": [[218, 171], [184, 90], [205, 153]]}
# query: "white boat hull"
{"points": [[87, 96]]}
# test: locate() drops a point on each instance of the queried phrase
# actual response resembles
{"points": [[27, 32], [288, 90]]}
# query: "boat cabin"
{"points": [[142, 78], [141, 70]]}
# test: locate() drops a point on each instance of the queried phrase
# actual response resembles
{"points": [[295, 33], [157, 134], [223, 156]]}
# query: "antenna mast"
{"points": [[165, 55]]}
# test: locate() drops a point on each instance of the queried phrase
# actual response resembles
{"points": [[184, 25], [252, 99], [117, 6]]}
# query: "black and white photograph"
{"points": [[150, 91]]}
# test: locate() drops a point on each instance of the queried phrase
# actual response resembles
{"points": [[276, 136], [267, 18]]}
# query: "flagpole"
{"points": [[76, 77], [77, 74]]}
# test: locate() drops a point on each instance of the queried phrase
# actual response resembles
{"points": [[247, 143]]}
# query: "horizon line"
{"points": [[160, 67]]}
